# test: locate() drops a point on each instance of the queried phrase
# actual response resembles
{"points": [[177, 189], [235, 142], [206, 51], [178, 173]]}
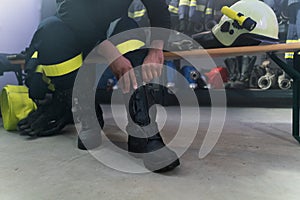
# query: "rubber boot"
{"points": [[246, 67]]}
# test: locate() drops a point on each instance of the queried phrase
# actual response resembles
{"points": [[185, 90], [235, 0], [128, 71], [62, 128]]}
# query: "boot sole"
{"points": [[169, 167], [163, 164]]}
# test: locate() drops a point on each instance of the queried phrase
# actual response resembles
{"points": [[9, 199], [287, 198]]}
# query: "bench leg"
{"points": [[296, 99], [294, 73]]}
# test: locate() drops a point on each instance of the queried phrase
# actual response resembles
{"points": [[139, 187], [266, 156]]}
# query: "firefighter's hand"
{"points": [[153, 64], [123, 70]]}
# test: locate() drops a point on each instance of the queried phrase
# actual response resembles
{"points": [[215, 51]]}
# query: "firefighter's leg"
{"points": [[142, 129], [89, 136], [58, 58], [144, 136]]}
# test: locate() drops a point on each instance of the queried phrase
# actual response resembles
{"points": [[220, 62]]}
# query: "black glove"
{"points": [[48, 124], [50, 117]]}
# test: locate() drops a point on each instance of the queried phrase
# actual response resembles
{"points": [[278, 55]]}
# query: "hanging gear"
{"points": [[137, 11], [173, 9], [196, 16], [293, 33], [183, 14], [209, 20], [247, 22]]}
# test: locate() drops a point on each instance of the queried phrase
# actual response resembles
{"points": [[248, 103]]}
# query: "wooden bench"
{"points": [[272, 51]]}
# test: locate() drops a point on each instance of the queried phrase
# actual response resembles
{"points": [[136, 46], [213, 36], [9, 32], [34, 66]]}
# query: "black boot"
{"points": [[246, 66], [159, 158], [232, 68], [144, 134]]}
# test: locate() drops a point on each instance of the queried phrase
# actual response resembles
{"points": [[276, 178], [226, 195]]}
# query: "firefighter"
{"points": [[56, 53]]}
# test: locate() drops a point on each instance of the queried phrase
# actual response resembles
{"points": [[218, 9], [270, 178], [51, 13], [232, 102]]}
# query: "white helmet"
{"points": [[247, 22]]}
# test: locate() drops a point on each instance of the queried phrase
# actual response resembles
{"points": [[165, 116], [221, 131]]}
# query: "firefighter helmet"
{"points": [[247, 22]]}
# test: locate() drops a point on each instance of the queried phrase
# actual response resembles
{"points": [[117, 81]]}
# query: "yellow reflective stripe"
{"points": [[129, 45], [61, 68], [184, 3], [35, 55], [289, 55], [136, 14], [193, 3], [39, 69], [291, 41], [48, 82], [173, 9], [208, 11], [200, 8]]}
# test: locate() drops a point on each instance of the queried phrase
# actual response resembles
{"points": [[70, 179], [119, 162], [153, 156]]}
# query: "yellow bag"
{"points": [[15, 105]]}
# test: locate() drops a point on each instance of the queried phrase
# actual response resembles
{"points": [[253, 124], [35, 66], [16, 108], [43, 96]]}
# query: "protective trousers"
{"points": [[52, 61], [142, 129]]}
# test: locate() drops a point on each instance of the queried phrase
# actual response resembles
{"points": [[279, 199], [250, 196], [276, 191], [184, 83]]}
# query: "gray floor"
{"points": [[255, 158]]}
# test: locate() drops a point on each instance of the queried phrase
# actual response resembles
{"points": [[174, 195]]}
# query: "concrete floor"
{"points": [[255, 158]]}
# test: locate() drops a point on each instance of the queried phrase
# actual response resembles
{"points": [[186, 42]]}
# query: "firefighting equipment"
{"points": [[245, 64], [15, 105], [284, 82], [249, 22], [269, 79]]}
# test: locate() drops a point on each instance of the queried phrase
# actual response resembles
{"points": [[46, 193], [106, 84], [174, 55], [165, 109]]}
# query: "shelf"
{"points": [[273, 98], [241, 98]]}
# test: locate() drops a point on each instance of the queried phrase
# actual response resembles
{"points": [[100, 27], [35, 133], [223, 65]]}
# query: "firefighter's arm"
{"points": [[120, 66], [153, 63], [159, 16]]}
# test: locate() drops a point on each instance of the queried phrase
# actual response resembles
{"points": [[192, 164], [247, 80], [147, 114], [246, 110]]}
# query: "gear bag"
{"points": [[15, 105]]}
